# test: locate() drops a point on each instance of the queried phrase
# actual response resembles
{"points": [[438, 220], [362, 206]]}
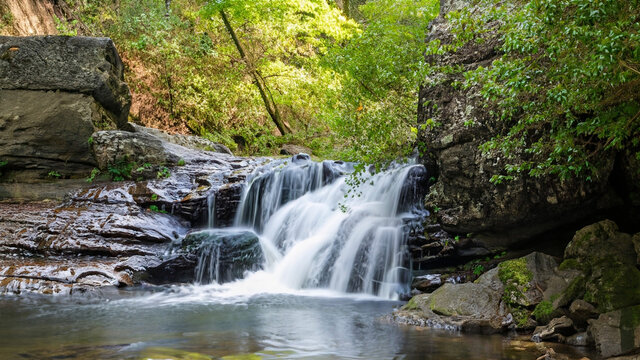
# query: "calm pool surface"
{"points": [[200, 323]]}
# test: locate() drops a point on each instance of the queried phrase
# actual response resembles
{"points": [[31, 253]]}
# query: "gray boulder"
{"points": [[581, 311], [600, 242], [78, 64], [617, 332], [608, 260], [468, 307], [47, 131], [188, 141], [290, 149]]}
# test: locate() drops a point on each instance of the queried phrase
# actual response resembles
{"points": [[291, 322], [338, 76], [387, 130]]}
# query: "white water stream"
{"points": [[315, 234]]}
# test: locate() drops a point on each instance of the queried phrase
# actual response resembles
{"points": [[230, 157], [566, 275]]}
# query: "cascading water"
{"points": [[313, 233]]}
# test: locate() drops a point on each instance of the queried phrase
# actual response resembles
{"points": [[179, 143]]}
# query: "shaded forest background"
{"points": [[344, 76]]}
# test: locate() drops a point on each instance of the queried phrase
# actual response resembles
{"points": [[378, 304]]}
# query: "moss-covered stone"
{"points": [[516, 276], [411, 305], [571, 264], [613, 285], [599, 242], [543, 312]]}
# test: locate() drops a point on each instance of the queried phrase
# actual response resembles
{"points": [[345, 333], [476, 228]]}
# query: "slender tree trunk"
{"points": [[265, 93], [167, 5], [346, 7]]}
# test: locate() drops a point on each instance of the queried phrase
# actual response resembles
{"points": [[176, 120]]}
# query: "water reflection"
{"points": [[271, 326]]}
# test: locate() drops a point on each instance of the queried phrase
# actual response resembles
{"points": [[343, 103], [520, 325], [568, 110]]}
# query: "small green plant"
{"points": [[181, 162], [121, 170], [478, 270], [154, 197], [543, 311], [53, 174], [457, 238], [155, 208], [436, 209], [144, 167], [66, 28], [95, 172], [90, 141], [163, 173]]}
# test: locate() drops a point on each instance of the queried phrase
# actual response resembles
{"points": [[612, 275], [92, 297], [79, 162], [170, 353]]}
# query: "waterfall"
{"points": [[317, 231]]}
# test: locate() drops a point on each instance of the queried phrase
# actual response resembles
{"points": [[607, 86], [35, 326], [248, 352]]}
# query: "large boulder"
{"points": [[608, 259], [78, 64], [617, 332], [456, 122], [55, 91], [52, 136], [469, 307], [212, 256]]}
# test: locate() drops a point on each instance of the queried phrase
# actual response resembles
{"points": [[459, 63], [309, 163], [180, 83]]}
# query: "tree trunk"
{"points": [[346, 7], [167, 5], [265, 93]]}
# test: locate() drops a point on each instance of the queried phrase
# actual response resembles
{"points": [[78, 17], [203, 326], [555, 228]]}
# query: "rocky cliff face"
{"points": [[55, 92], [459, 122]]}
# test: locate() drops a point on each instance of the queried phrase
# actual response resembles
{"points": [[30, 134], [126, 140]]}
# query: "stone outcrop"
{"points": [[76, 64], [617, 332], [117, 233], [590, 298], [54, 93], [51, 136], [457, 121]]}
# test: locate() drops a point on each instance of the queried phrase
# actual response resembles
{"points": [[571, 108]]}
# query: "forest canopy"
{"points": [[343, 87], [344, 81]]}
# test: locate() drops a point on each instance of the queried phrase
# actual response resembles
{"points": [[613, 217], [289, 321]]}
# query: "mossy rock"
{"points": [[467, 299], [574, 291], [613, 285], [516, 277], [598, 242]]}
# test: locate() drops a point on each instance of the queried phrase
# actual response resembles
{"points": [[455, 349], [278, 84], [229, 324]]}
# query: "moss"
{"points": [[570, 264], [520, 316], [515, 275], [614, 285], [629, 322], [411, 305], [543, 311], [576, 288]]}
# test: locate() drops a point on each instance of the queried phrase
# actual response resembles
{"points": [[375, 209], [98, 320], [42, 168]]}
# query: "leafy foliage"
{"points": [[347, 89], [382, 67], [565, 92], [121, 170]]}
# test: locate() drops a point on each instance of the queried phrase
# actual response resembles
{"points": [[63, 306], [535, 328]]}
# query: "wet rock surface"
{"points": [[213, 256], [117, 233], [588, 298]]}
